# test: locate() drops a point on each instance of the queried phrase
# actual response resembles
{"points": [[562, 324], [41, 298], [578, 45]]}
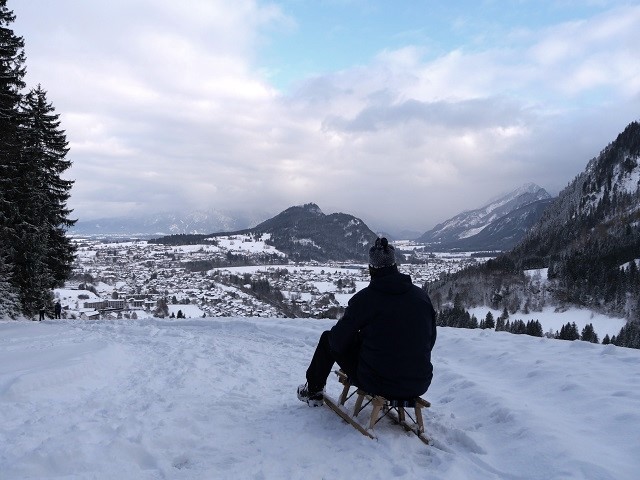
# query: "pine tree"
{"points": [[569, 331], [12, 73], [534, 328], [162, 308], [589, 334], [629, 336], [45, 149], [573, 332], [488, 321], [9, 301]]}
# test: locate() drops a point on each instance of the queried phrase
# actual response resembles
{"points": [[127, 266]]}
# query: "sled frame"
{"points": [[381, 407]]}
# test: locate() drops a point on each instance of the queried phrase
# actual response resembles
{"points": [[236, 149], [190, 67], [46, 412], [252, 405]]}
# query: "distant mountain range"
{"points": [[299, 230], [170, 223], [499, 225]]}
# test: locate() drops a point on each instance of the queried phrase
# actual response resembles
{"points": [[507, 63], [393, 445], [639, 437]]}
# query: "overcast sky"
{"points": [[400, 113]]}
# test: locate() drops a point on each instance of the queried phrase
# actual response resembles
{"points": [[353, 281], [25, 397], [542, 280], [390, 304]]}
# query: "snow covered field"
{"points": [[553, 321], [215, 398]]}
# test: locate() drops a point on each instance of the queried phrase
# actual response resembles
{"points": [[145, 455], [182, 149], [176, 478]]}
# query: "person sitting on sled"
{"points": [[383, 341]]}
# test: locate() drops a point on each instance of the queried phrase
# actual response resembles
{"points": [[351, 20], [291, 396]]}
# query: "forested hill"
{"points": [[599, 209], [588, 238], [304, 233]]}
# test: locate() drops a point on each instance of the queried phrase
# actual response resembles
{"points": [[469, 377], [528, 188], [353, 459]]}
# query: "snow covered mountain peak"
{"points": [[472, 222]]}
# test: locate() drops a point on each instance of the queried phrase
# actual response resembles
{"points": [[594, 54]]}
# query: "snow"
{"points": [[73, 295], [473, 231], [628, 182], [215, 398], [240, 243], [553, 320], [626, 266], [189, 311], [539, 273]]}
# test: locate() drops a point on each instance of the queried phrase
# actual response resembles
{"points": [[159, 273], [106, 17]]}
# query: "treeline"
{"points": [[35, 253], [230, 259], [594, 275], [458, 317], [185, 239]]}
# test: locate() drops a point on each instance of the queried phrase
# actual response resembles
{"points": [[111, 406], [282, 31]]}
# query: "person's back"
{"points": [[396, 324]]}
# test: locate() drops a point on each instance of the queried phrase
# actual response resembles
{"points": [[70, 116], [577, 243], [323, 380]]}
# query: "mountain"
{"points": [[586, 245], [169, 223], [506, 231], [599, 209], [496, 226], [305, 233]]}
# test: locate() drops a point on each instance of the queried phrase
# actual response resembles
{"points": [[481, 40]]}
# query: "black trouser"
{"points": [[324, 358]]}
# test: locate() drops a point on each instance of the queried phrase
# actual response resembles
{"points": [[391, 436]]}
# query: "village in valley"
{"points": [[118, 279]]}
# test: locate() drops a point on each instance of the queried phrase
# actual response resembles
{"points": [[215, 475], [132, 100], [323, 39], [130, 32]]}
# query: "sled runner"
{"points": [[381, 407]]}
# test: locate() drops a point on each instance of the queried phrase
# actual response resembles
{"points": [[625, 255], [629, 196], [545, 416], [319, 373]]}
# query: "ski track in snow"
{"points": [[215, 398]]}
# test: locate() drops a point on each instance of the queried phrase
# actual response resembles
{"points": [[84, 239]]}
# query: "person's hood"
{"points": [[395, 283]]}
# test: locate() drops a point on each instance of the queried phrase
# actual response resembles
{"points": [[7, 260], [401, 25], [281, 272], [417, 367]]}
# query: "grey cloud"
{"points": [[465, 114]]}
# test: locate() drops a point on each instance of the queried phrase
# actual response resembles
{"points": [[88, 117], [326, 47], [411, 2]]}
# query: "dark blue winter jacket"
{"points": [[395, 322]]}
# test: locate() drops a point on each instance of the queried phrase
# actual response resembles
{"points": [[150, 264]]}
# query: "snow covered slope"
{"points": [[215, 398]]}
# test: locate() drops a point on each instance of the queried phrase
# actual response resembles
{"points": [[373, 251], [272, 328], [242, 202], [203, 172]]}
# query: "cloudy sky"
{"points": [[401, 113]]}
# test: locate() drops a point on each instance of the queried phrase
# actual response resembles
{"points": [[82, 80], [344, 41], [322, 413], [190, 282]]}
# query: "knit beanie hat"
{"points": [[382, 254]]}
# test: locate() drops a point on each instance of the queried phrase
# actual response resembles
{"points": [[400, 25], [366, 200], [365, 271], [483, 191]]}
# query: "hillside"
{"points": [[506, 231], [587, 240], [215, 398], [601, 205], [306, 233], [498, 225]]}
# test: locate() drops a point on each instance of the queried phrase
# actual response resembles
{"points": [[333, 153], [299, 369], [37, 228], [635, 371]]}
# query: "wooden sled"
{"points": [[381, 407]]}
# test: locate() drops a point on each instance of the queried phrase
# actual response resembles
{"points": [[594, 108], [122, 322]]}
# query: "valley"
{"points": [[137, 279]]}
